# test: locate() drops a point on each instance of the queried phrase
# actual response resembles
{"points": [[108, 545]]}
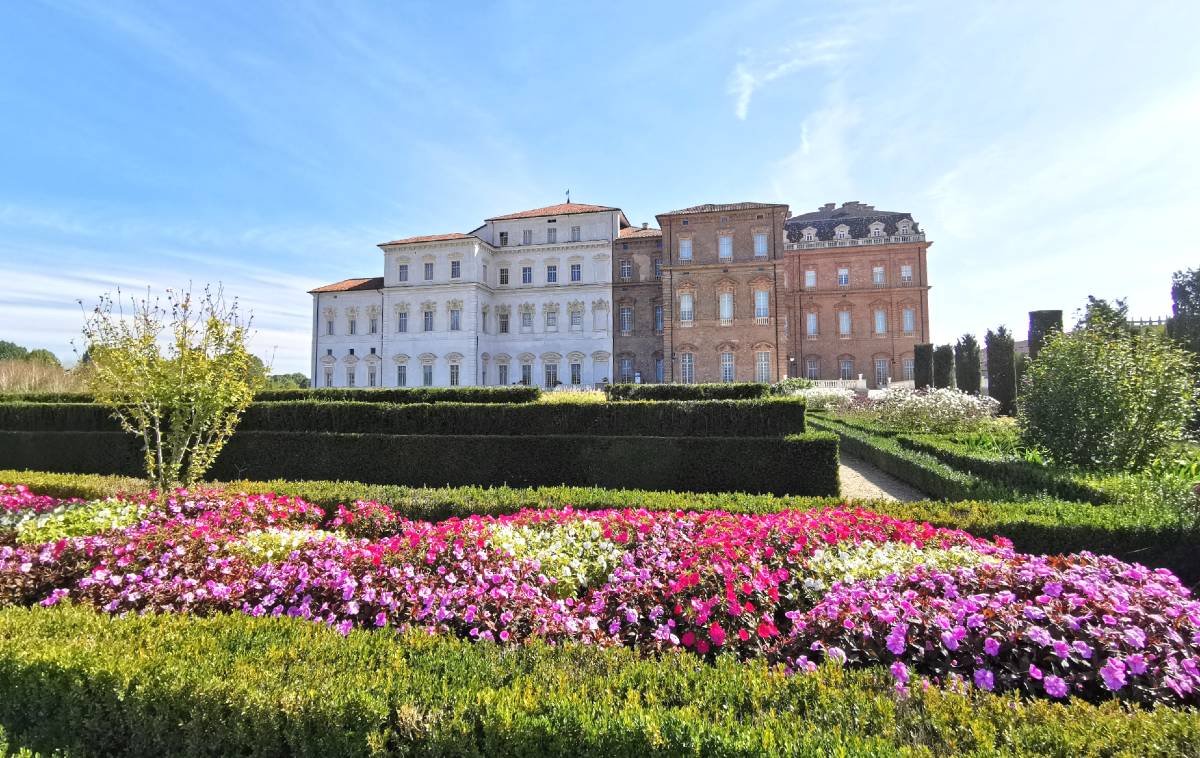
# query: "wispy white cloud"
{"points": [[759, 68]]}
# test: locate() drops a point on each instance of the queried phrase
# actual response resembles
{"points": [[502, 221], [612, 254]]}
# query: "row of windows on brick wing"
{"points": [[844, 319], [725, 246], [847, 368], [725, 309], [687, 367], [879, 276]]}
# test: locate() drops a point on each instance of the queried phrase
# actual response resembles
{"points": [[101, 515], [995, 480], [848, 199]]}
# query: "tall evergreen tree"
{"points": [[1184, 324], [943, 366], [1041, 324], [1002, 369], [923, 365], [966, 364]]}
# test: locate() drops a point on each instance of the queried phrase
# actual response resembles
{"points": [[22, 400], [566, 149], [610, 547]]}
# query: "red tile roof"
{"points": [[637, 231], [562, 209], [352, 285], [427, 238]]}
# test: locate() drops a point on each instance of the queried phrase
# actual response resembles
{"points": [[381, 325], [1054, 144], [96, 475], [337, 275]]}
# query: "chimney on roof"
{"points": [[645, 225], [828, 206]]}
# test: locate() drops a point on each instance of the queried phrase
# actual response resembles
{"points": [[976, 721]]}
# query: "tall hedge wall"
{"points": [[943, 366], [717, 391], [517, 394], [1041, 324], [1002, 369], [767, 417], [923, 365], [797, 465]]}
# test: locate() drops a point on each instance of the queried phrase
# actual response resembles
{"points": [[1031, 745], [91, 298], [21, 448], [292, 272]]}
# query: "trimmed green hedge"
{"points": [[798, 464], [1155, 538], [768, 417], [167, 685], [1018, 475], [920, 470], [515, 394], [721, 391]]}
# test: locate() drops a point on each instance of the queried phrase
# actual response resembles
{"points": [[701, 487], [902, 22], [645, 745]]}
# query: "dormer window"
{"points": [[810, 234], [503, 239], [904, 227], [877, 229], [841, 232]]}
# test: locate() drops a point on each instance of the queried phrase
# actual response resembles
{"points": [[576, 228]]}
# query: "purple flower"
{"points": [[1134, 637], [1136, 664], [1084, 649], [900, 671], [1055, 687], [984, 679], [896, 639], [1113, 674], [836, 654], [1034, 672], [991, 646]]}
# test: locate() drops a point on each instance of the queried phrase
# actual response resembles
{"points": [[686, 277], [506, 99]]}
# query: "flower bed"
{"points": [[793, 587]]}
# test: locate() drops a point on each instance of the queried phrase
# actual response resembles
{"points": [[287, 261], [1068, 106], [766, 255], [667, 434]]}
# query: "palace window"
{"points": [[328, 377], [527, 321], [727, 367], [329, 327], [812, 367], [574, 233], [577, 320], [906, 274], [455, 269], [846, 368], [686, 308], [685, 250], [455, 320], [483, 324], [725, 305], [371, 382], [502, 374], [551, 235], [810, 279], [762, 366], [527, 275], [373, 326], [658, 319], [429, 272], [843, 277], [552, 273], [881, 371], [552, 321], [402, 376], [550, 370], [843, 323], [687, 368], [626, 269], [880, 321], [350, 377], [402, 321], [503, 239], [762, 306], [658, 269], [760, 245], [811, 325], [625, 369], [402, 272], [725, 247], [576, 272], [625, 315], [527, 237], [427, 375], [878, 276], [454, 374], [504, 276], [527, 374], [658, 370], [909, 317], [353, 326], [576, 371], [428, 325], [908, 369]]}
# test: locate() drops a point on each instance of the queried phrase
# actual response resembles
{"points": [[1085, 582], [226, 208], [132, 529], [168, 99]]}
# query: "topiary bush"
{"points": [[943, 367], [966, 364], [1041, 325], [1110, 404], [923, 365], [1002, 369]]}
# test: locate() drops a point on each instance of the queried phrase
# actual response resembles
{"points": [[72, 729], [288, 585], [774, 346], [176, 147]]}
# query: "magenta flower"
{"points": [[1055, 687]]}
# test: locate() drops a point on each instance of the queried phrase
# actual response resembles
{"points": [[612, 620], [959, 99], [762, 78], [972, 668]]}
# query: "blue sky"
{"points": [[1050, 150]]}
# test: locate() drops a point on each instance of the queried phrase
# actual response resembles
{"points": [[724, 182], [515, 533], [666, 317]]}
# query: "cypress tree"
{"points": [[1002, 369], [943, 366], [923, 365], [966, 364], [1041, 323]]}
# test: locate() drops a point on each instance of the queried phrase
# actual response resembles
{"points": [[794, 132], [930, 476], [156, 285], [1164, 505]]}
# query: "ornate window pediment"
{"points": [[401, 307], [427, 359], [373, 359], [526, 357], [527, 308], [504, 309], [575, 306], [686, 347], [599, 305], [352, 311], [550, 307], [373, 311], [485, 357], [503, 358], [759, 346], [330, 313], [401, 358], [350, 360], [429, 305], [727, 347], [601, 355], [725, 285], [551, 357], [454, 305], [328, 360], [575, 356], [454, 357]]}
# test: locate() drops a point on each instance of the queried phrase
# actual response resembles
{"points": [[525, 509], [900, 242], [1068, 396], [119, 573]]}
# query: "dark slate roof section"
{"points": [[721, 207], [853, 214]]}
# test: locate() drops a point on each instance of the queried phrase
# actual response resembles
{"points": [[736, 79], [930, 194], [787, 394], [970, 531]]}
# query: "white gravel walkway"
{"points": [[863, 481]]}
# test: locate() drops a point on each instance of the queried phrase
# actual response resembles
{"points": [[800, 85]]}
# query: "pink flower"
{"points": [[716, 634], [1113, 674], [1055, 687], [900, 671], [991, 646]]}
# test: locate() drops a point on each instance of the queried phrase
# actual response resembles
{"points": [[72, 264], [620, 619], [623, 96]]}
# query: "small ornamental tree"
{"points": [[1002, 369], [966, 364], [1184, 324], [923, 365], [1041, 324], [1111, 404], [943, 366], [177, 377]]}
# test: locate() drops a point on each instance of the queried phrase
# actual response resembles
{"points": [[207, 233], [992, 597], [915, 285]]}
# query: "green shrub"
{"points": [[923, 365], [966, 364], [943, 366], [1111, 404], [1002, 369], [766, 417], [516, 394], [797, 464], [1041, 325], [725, 391], [167, 685]]}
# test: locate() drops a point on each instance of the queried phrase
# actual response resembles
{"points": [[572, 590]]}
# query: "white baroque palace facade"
{"points": [[524, 298]]}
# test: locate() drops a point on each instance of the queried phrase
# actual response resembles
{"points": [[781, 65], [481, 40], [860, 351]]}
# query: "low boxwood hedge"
{"points": [[723, 391], [514, 394], [797, 464], [164, 685], [767, 417]]}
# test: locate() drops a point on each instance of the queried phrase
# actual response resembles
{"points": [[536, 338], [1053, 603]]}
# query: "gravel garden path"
{"points": [[863, 481]]}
